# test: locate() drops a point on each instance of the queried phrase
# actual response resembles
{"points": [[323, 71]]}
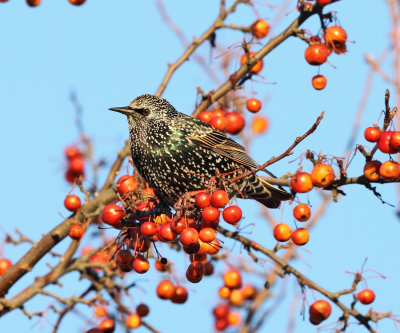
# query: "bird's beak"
{"points": [[126, 110]]}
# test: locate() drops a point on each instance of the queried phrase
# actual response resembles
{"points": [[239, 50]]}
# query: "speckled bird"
{"points": [[176, 153]]}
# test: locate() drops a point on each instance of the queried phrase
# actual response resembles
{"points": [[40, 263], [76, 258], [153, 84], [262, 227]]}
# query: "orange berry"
{"points": [[260, 28], [319, 82], [282, 232], [259, 125], [322, 175], [257, 67]]}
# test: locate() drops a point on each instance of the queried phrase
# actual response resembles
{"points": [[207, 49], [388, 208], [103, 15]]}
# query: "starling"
{"points": [[176, 154]]}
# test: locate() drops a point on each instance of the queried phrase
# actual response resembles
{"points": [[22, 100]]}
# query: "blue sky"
{"points": [[107, 53]]}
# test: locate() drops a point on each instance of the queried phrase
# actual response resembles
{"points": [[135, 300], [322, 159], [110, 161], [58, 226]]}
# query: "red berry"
{"points": [[318, 82], [203, 200], [253, 105], [210, 214], [236, 122], [219, 199], [141, 265], [112, 214], [300, 236], [189, 236], [72, 202], [207, 234], [301, 182], [319, 311], [5, 264], [180, 295], [302, 212], [76, 164], [372, 134], [126, 184], [316, 54], [219, 122], [76, 231], [366, 296], [148, 228], [257, 67], [232, 214], [72, 152], [384, 143]]}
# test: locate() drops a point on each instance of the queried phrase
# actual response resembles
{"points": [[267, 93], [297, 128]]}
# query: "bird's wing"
{"points": [[207, 137]]}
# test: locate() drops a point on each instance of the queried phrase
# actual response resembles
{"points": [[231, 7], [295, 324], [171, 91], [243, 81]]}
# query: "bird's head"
{"points": [[148, 108]]}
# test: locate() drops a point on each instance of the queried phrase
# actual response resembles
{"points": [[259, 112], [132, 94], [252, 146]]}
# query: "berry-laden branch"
{"points": [[231, 83], [304, 281]]}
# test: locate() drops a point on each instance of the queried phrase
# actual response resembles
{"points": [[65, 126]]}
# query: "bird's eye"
{"points": [[143, 111]]}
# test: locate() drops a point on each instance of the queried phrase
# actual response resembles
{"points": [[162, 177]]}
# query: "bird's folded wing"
{"points": [[223, 145]]}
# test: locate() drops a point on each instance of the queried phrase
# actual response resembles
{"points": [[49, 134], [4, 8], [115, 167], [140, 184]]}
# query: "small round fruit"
{"points": [[205, 116], [233, 318], [316, 54], [260, 28], [100, 311], [126, 184], [165, 289], [210, 214], [233, 279], [196, 269], [72, 203], [219, 199], [384, 143], [259, 125], [148, 229], [232, 214], [366, 296], [77, 2], [107, 325], [178, 224], [33, 3], [5, 264], [372, 134], [124, 257], [189, 236], [219, 122], [141, 265], [334, 35], [72, 152], [203, 200], [390, 171], [302, 212], [133, 321], [371, 170], [319, 311], [395, 140], [165, 233], [282, 232], [112, 214], [180, 295], [236, 297], [76, 231], [221, 310], [300, 236], [142, 310], [319, 82], [257, 67], [207, 234], [236, 122], [76, 165], [253, 105], [322, 175], [224, 292], [249, 292], [301, 182]]}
